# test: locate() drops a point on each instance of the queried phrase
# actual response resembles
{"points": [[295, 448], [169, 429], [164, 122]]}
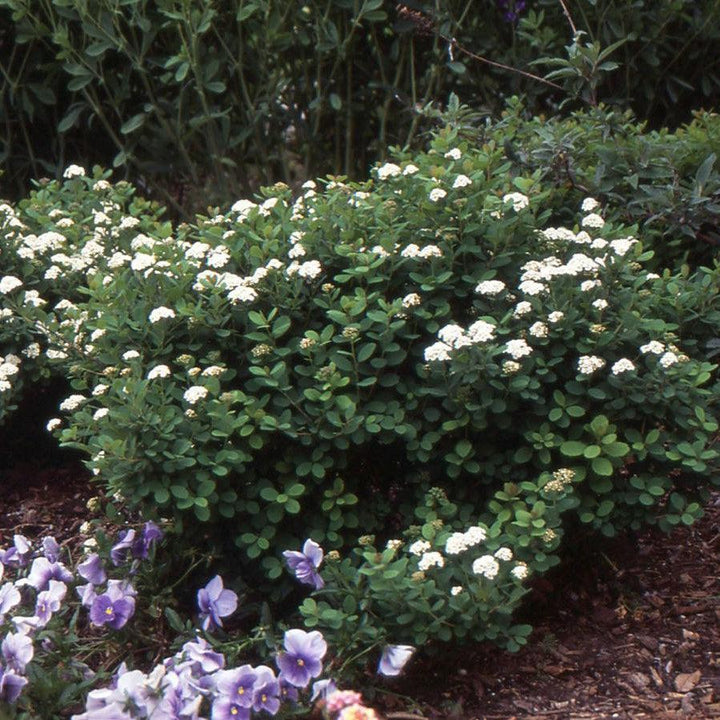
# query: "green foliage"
{"points": [[222, 97]]}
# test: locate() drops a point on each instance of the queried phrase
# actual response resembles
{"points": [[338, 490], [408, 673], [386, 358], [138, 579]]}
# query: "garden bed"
{"points": [[631, 632]]}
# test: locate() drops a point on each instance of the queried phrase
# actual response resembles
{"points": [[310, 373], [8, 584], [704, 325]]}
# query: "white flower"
{"points": [[504, 554], [593, 220], [436, 194], [195, 393], [456, 589], [454, 336], [622, 245], [130, 355], [556, 316], [310, 269], [588, 364], [518, 200], [522, 308], [456, 544], [669, 358], [72, 171], [600, 304], [487, 566], [296, 251], [388, 170], [490, 287], [218, 257], [589, 204], [474, 535], [410, 169], [623, 365], [159, 371], [532, 287], [161, 313], [430, 251], [242, 293], [437, 352], [213, 371], [100, 413], [411, 300], [243, 207], [99, 389], [430, 559], [9, 283], [517, 348], [462, 181], [142, 261], [454, 154], [411, 251], [481, 331], [53, 424], [419, 547], [538, 329], [510, 367], [520, 571], [654, 347], [32, 350], [72, 403], [588, 285]]}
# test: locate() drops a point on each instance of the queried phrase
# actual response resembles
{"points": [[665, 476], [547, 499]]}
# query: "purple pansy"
{"points": [[305, 564], [267, 691], [17, 651], [51, 549], [43, 571], [150, 535], [92, 570], [238, 685], [203, 657], [48, 601], [9, 598], [302, 659], [114, 607], [11, 685], [119, 551], [394, 658], [19, 554], [215, 602], [322, 688]]}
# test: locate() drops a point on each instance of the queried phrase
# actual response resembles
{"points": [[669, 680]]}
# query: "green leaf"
{"points": [[135, 122], [602, 466], [572, 448]]}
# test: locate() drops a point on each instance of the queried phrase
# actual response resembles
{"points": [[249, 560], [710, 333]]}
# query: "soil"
{"points": [[629, 632]]}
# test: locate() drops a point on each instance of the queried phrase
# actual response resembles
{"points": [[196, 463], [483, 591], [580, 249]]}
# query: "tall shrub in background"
{"points": [[194, 96]]}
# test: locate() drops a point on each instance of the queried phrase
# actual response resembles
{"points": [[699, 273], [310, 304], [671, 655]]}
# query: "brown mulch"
{"points": [[630, 632]]}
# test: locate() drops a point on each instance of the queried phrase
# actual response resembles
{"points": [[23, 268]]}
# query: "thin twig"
{"points": [[404, 716], [454, 43], [568, 16]]}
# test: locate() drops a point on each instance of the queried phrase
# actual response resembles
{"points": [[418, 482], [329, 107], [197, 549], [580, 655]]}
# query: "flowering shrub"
{"points": [[311, 367]]}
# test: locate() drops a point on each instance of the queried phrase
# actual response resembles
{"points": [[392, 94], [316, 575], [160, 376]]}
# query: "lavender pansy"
{"points": [[49, 601], [305, 564], [215, 602], [51, 549], [267, 691], [11, 685], [120, 550], [302, 659], [9, 598], [42, 571], [17, 651], [238, 685], [151, 534], [203, 657], [322, 688], [92, 570], [114, 607], [394, 658]]}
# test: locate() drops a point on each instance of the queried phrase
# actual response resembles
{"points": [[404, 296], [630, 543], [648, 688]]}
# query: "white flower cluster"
{"points": [[588, 364], [490, 287], [459, 542], [453, 337], [518, 200]]}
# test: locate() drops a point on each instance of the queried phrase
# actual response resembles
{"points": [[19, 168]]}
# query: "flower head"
{"points": [[215, 602], [114, 607], [305, 564], [394, 658], [302, 659]]}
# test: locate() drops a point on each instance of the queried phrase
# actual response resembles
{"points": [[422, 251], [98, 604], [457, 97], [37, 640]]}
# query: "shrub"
{"points": [[312, 367]]}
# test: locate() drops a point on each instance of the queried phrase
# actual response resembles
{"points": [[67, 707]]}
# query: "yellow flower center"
{"points": [[300, 662], [241, 690], [108, 611]]}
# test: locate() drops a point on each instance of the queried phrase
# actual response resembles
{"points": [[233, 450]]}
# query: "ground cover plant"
{"points": [[403, 390]]}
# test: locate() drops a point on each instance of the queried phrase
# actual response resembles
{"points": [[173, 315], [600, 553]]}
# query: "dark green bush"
{"points": [[205, 99]]}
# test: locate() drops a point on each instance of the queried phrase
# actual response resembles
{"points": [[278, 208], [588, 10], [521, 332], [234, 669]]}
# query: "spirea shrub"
{"points": [[310, 366]]}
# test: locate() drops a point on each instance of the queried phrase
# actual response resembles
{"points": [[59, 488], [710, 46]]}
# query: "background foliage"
{"points": [[201, 100]]}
